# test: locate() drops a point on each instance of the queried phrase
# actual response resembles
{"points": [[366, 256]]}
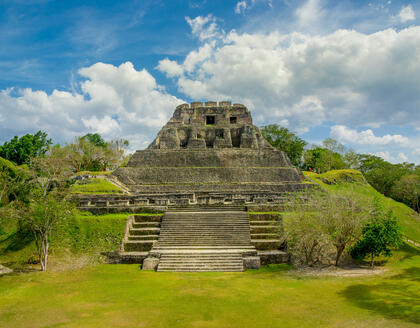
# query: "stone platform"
{"points": [[205, 167]]}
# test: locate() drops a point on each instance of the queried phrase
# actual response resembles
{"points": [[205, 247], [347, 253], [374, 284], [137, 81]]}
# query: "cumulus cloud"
{"points": [[240, 7], [309, 14], [116, 101], [170, 67], [355, 78], [366, 137], [406, 14], [399, 158], [204, 27]]}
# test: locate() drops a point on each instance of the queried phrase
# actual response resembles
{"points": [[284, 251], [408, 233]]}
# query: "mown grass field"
{"points": [[124, 296]]}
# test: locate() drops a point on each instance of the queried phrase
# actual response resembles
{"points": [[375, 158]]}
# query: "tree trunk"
{"points": [[340, 250], [371, 260]]}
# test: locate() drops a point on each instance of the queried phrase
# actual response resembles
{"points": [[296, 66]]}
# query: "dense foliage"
{"points": [[284, 140], [398, 181], [379, 234], [21, 150]]}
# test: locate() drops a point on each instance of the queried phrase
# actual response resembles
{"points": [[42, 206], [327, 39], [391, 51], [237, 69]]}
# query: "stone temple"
{"points": [[208, 167]]}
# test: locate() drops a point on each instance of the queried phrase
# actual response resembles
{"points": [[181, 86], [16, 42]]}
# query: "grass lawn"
{"points": [[95, 186], [124, 296]]}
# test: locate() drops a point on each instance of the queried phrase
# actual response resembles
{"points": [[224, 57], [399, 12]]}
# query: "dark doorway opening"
{"points": [[232, 120], [210, 120]]}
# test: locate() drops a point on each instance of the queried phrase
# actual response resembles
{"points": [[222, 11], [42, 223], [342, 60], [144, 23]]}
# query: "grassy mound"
{"points": [[342, 181], [95, 186], [85, 234]]}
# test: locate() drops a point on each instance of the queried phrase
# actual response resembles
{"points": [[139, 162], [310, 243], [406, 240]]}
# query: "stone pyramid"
{"points": [[210, 154]]}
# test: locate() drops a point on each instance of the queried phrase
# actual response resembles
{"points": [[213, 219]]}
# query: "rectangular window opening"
{"points": [[233, 119], [210, 120]]}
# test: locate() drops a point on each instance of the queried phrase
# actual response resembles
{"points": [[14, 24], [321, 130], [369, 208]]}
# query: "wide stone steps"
{"points": [[142, 232], [203, 240], [221, 262]]}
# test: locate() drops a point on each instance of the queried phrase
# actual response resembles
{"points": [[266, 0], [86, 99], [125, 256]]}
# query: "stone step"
{"points": [[267, 244], [186, 269], [264, 229], [138, 245], [266, 223], [144, 231], [264, 235], [227, 261], [147, 218], [172, 209], [143, 237], [146, 225]]}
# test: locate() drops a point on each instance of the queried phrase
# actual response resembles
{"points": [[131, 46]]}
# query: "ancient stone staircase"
{"points": [[203, 240], [265, 231], [141, 232]]}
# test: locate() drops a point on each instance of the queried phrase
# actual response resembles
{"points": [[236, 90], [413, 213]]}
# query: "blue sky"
{"points": [[343, 69]]}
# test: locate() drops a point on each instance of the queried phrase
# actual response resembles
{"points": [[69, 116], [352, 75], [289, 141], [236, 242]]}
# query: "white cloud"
{"points": [[103, 126], [310, 13], [204, 27], [240, 7], [356, 78], [366, 137], [406, 14], [170, 67], [116, 101], [399, 158]]}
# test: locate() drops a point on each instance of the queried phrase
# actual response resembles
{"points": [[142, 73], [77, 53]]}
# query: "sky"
{"points": [[349, 70]]}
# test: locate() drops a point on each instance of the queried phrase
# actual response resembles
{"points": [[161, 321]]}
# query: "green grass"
{"points": [[342, 181], [85, 234], [95, 186], [95, 172], [124, 296]]}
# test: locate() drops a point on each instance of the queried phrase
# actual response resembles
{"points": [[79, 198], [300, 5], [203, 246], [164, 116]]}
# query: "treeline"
{"points": [[398, 181], [35, 180], [88, 153]]}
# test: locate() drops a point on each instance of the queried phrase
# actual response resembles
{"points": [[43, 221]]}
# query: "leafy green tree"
{"points": [[95, 139], [407, 190], [49, 201], [284, 140], [323, 159], [381, 174], [379, 235], [21, 150]]}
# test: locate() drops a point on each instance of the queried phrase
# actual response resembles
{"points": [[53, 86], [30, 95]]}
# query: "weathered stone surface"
{"points": [[273, 257], [252, 262], [150, 263], [4, 270], [209, 154]]}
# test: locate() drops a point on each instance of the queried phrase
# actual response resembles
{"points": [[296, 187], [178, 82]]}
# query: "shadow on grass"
{"points": [[409, 251], [17, 241], [394, 300]]}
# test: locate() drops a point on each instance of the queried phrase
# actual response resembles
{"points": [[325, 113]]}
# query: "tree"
{"points": [[379, 234], [381, 174], [21, 150], [284, 140], [323, 159], [92, 153], [95, 139], [49, 201], [46, 211], [341, 219], [407, 190]]}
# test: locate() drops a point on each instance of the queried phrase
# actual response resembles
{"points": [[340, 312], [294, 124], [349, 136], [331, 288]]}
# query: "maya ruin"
{"points": [[208, 166]]}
